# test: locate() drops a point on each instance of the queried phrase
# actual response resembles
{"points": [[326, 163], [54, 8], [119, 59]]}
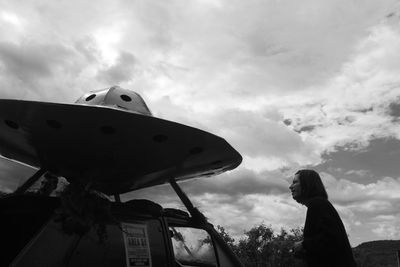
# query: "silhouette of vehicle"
{"points": [[106, 144]]}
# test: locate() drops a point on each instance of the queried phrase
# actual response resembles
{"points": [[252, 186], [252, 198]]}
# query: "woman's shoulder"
{"points": [[320, 207], [318, 202]]}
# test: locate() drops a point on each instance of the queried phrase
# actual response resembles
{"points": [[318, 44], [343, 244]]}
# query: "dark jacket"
{"points": [[325, 240]]}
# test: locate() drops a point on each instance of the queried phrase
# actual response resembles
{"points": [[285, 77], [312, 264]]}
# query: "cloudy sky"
{"points": [[289, 84]]}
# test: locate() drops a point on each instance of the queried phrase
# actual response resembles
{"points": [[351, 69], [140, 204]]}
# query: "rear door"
{"points": [[132, 241]]}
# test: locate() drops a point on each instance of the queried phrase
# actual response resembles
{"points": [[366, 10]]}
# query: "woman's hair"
{"points": [[311, 185]]}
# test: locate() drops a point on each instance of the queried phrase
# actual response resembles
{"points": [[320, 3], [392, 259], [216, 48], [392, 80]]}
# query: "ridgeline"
{"points": [[380, 253]]}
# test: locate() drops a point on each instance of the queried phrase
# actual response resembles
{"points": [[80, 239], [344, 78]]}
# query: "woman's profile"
{"points": [[325, 242]]}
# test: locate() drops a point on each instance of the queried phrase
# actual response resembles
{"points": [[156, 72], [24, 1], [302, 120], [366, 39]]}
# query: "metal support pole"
{"points": [[30, 181], [398, 258], [117, 198], [184, 198], [196, 214]]}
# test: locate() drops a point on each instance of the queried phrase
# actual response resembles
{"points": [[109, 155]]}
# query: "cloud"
{"points": [[360, 173], [121, 71], [240, 182], [40, 71], [29, 61], [263, 140], [387, 227], [88, 48], [394, 109], [271, 46], [353, 106], [365, 165], [374, 195]]}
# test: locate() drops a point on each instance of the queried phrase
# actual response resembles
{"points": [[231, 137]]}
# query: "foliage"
{"points": [[226, 237], [81, 209], [261, 246]]}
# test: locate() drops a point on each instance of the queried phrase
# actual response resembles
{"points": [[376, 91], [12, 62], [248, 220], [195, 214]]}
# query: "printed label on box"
{"points": [[137, 247]]}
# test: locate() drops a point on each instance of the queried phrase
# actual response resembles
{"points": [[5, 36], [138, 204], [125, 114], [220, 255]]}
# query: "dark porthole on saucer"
{"points": [[54, 124], [11, 124], [160, 138], [90, 97], [196, 150], [126, 98], [217, 162], [107, 129]]}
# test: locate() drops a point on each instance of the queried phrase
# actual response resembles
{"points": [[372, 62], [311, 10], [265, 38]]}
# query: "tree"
{"points": [[282, 245], [261, 247], [255, 249], [226, 237]]}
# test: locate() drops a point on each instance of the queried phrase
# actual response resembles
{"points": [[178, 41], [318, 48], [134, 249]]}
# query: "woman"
{"points": [[325, 242]]}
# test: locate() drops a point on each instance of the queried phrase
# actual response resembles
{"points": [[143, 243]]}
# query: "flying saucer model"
{"points": [[109, 139]]}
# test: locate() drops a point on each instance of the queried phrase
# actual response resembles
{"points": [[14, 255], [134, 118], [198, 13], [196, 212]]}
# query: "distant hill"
{"points": [[381, 253]]}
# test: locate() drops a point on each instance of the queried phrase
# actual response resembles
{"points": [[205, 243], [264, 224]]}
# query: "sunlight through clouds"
{"points": [[107, 40], [11, 18]]}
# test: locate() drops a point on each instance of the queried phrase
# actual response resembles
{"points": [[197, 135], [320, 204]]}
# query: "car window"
{"points": [[193, 247]]}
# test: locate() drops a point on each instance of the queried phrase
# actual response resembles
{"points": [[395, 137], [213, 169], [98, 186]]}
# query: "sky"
{"points": [[289, 84]]}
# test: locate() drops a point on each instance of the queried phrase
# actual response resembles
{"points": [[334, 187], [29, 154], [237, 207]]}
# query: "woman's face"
{"points": [[295, 187]]}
